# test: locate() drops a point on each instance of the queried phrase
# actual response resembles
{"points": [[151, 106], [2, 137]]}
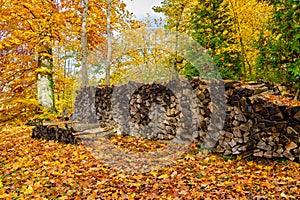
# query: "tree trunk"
{"points": [[84, 45], [109, 43], [45, 86]]}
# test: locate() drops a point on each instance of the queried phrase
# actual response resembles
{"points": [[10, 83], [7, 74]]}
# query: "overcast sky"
{"points": [[140, 8]]}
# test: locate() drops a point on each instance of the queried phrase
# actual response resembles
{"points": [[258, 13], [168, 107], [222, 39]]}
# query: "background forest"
{"points": [[55, 42]]}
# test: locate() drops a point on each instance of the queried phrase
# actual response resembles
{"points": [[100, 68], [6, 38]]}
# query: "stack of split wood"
{"points": [[85, 105], [56, 131], [154, 106], [103, 105], [235, 117], [255, 126]]}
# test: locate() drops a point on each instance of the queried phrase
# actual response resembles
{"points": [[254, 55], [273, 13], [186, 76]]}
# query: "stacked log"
{"points": [[54, 132], [202, 91], [84, 108], [251, 124], [276, 130], [255, 126], [103, 105], [212, 107], [150, 110], [154, 106]]}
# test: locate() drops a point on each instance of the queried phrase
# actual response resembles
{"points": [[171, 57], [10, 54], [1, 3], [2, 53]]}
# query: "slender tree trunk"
{"points": [[174, 68], [109, 43], [84, 45], [243, 52], [45, 85]]}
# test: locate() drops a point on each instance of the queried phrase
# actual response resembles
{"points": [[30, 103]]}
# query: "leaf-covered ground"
{"points": [[35, 169]]}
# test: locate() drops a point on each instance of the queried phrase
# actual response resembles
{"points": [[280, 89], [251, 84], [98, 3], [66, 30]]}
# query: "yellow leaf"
{"points": [[164, 176], [278, 37], [250, 164], [132, 195], [55, 173], [153, 173], [155, 186], [239, 157], [239, 188], [28, 190], [75, 153], [189, 157]]}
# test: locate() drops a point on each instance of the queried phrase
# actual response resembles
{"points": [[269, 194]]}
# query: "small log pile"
{"points": [[60, 132], [276, 131]]}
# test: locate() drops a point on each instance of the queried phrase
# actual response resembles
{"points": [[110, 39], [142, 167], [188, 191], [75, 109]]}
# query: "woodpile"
{"points": [[255, 126], [155, 106], [84, 108], [212, 109], [250, 125], [103, 105], [61, 132]]}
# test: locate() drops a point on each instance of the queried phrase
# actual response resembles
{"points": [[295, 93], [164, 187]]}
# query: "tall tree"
{"points": [[214, 29], [279, 59], [84, 45], [109, 43], [31, 34], [33, 38], [179, 17], [228, 29], [250, 18]]}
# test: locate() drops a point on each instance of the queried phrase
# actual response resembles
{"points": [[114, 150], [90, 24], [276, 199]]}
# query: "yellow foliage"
{"points": [[251, 18]]}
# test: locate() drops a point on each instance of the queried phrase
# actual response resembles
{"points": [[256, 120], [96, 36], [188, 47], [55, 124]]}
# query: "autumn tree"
{"points": [[279, 58], [228, 29], [102, 18], [143, 54], [179, 19], [34, 35], [213, 29], [250, 20], [26, 46]]}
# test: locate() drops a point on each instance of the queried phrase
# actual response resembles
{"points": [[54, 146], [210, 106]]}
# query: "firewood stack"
{"points": [[54, 131], [155, 107], [255, 126], [201, 89], [276, 131], [251, 123], [103, 106], [85, 105]]}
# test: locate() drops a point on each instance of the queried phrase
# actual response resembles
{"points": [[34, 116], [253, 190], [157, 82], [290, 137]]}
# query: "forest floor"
{"points": [[38, 169]]}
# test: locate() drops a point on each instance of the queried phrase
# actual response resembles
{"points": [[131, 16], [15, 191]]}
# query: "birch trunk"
{"points": [[45, 86]]}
